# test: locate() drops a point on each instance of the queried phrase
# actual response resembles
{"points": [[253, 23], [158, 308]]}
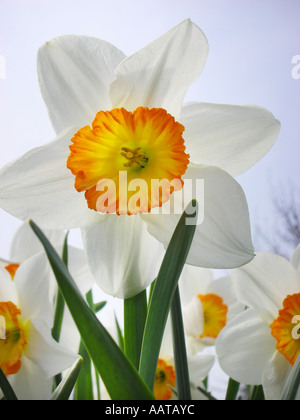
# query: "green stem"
{"points": [[135, 313], [180, 356]]}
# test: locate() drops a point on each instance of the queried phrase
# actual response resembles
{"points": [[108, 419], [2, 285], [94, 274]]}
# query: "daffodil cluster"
{"points": [[149, 181]]}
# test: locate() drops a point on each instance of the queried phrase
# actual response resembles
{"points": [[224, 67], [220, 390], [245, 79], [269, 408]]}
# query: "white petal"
{"points": [[275, 375], [265, 282], [199, 367], [25, 243], [75, 73], [8, 290], [159, 75], [296, 258], [40, 187], [52, 357], [223, 240], [193, 317], [244, 347], [194, 281], [230, 137], [123, 257], [32, 280], [31, 382], [224, 287], [79, 269]]}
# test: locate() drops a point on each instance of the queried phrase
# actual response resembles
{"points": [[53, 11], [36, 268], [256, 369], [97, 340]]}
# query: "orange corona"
{"points": [[147, 144], [283, 328]]}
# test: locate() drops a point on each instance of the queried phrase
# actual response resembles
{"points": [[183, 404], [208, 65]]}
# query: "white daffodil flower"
{"points": [[260, 345], [208, 305], [121, 129], [25, 245], [29, 356]]}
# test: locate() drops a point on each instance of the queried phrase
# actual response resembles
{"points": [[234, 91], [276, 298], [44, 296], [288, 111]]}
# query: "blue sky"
{"points": [[252, 43]]}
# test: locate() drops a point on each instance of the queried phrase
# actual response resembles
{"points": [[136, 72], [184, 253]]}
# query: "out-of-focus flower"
{"points": [[121, 119], [260, 345], [28, 354], [25, 245], [208, 305], [165, 379]]}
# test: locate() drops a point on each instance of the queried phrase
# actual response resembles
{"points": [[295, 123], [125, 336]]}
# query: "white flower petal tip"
{"points": [[231, 137], [64, 61], [160, 74], [223, 235]]}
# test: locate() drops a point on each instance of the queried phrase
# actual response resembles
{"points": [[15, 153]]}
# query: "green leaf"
{"points": [[180, 356], [64, 389], [98, 306], [84, 385], [120, 335], [7, 390], [258, 393], [163, 294], [60, 309], [135, 313], [232, 389], [121, 379], [292, 385]]}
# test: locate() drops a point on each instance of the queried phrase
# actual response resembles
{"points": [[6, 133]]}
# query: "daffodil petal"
{"points": [[79, 269], [224, 287], [159, 75], [193, 317], [39, 186], [25, 244], [75, 73], [32, 282], [8, 291], [295, 260], [31, 383], [264, 284], [52, 357], [244, 346], [123, 257], [194, 281], [223, 240], [199, 367], [275, 375], [230, 137]]}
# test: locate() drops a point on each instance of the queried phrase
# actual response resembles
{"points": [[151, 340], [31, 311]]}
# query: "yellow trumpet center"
{"points": [[214, 315], [12, 338], [124, 151], [286, 328], [164, 378]]}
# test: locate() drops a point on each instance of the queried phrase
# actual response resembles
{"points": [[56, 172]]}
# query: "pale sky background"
{"points": [[252, 43]]}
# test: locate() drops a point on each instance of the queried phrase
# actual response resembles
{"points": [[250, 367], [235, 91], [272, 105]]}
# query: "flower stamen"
{"points": [[134, 156]]}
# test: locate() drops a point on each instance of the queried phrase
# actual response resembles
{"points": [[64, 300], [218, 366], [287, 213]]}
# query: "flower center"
{"points": [[164, 378], [12, 268], [118, 160], [134, 156], [286, 329], [12, 343], [214, 315]]}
